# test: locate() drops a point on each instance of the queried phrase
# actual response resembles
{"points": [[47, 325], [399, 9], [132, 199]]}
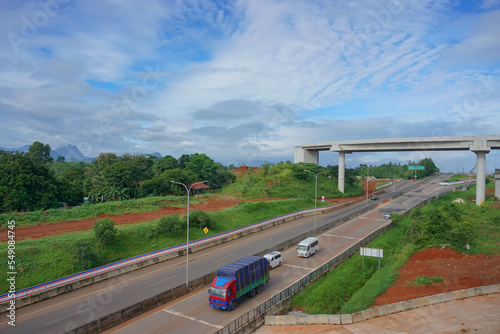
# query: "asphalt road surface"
{"points": [[191, 312]]}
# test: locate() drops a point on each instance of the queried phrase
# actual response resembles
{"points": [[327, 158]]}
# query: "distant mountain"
{"points": [[156, 154], [69, 152]]}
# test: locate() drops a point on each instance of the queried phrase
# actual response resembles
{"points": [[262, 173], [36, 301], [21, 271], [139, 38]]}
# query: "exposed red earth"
{"points": [[459, 271], [34, 232]]}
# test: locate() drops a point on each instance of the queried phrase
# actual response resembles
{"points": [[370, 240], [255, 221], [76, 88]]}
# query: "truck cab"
{"points": [[223, 293]]}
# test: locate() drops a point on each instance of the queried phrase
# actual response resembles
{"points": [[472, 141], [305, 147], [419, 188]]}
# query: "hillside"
{"points": [[287, 181]]}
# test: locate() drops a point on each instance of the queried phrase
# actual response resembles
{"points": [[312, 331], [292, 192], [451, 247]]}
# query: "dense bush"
{"points": [[200, 219], [85, 256], [104, 231], [444, 224], [170, 226]]}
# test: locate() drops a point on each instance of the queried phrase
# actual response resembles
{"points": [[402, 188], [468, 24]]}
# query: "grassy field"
{"points": [[49, 258], [93, 210], [348, 288]]}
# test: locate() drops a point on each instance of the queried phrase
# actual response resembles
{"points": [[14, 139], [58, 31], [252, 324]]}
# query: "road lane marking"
{"points": [[291, 265], [163, 280], [72, 314], [371, 218], [185, 316], [263, 242], [221, 258], [339, 236]]}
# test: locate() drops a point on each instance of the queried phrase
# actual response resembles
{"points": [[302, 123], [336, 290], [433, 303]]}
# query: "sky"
{"points": [[246, 81]]}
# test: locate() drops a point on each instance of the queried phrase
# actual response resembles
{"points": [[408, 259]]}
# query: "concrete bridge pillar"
{"points": [[481, 178], [497, 183], [341, 181], [481, 148]]}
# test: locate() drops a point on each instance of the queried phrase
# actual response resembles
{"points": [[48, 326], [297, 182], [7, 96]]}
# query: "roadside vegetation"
{"points": [[291, 181], [348, 288]]}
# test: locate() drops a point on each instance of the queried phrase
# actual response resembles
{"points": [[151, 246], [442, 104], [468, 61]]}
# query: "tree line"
{"points": [[33, 180]]}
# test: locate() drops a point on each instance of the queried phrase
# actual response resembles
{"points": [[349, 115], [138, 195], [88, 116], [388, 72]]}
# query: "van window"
{"points": [[302, 248]]}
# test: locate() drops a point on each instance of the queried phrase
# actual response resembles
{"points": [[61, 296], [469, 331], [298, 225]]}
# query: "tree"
{"points": [[166, 163], [26, 183], [105, 231], [40, 152], [116, 193], [61, 159]]}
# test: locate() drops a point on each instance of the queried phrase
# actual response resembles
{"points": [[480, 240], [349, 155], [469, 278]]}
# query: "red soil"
{"points": [[459, 271], [38, 231]]}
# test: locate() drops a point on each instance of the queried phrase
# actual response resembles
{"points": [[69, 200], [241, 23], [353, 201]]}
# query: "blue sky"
{"points": [[246, 81]]}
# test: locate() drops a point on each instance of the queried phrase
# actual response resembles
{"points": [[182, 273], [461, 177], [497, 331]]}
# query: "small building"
{"points": [[199, 188]]}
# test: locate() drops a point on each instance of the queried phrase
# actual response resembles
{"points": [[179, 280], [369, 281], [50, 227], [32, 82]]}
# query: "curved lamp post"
{"points": [[315, 194], [366, 202], [187, 237]]}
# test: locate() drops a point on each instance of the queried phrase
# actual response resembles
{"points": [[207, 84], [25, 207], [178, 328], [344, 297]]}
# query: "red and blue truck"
{"points": [[241, 278]]}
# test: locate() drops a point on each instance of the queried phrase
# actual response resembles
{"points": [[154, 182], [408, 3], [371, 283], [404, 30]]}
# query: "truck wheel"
{"points": [[233, 305], [258, 289], [252, 293]]}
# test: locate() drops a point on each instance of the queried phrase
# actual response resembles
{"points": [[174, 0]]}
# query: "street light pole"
{"points": [[315, 194], [366, 202], [187, 234]]}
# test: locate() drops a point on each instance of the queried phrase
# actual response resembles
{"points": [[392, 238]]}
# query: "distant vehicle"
{"points": [[307, 247], [275, 259], [245, 277], [374, 197], [387, 215]]}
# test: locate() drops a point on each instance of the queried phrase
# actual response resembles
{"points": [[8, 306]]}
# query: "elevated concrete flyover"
{"points": [[481, 145]]}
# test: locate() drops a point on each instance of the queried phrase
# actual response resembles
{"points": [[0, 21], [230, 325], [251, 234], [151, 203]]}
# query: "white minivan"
{"points": [[308, 247]]}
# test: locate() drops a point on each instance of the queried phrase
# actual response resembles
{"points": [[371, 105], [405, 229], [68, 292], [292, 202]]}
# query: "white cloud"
{"points": [[249, 79]]}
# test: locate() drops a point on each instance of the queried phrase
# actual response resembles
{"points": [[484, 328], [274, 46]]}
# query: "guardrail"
{"points": [[72, 282]]}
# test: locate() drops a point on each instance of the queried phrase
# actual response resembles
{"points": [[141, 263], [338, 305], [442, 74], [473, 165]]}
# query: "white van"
{"points": [[274, 259], [308, 247]]}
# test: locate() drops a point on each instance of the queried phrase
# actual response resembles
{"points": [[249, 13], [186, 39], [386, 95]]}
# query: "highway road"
{"points": [[70, 310]]}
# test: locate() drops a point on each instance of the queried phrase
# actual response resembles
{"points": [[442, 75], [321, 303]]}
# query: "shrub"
{"points": [[104, 231], [201, 219], [85, 256], [170, 226]]}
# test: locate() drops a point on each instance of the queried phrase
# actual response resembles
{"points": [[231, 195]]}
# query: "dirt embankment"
{"points": [[459, 271]]}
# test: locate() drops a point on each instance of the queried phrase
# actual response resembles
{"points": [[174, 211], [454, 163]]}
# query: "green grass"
{"points": [[459, 177], [348, 288], [93, 210], [45, 259], [283, 182], [426, 280]]}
